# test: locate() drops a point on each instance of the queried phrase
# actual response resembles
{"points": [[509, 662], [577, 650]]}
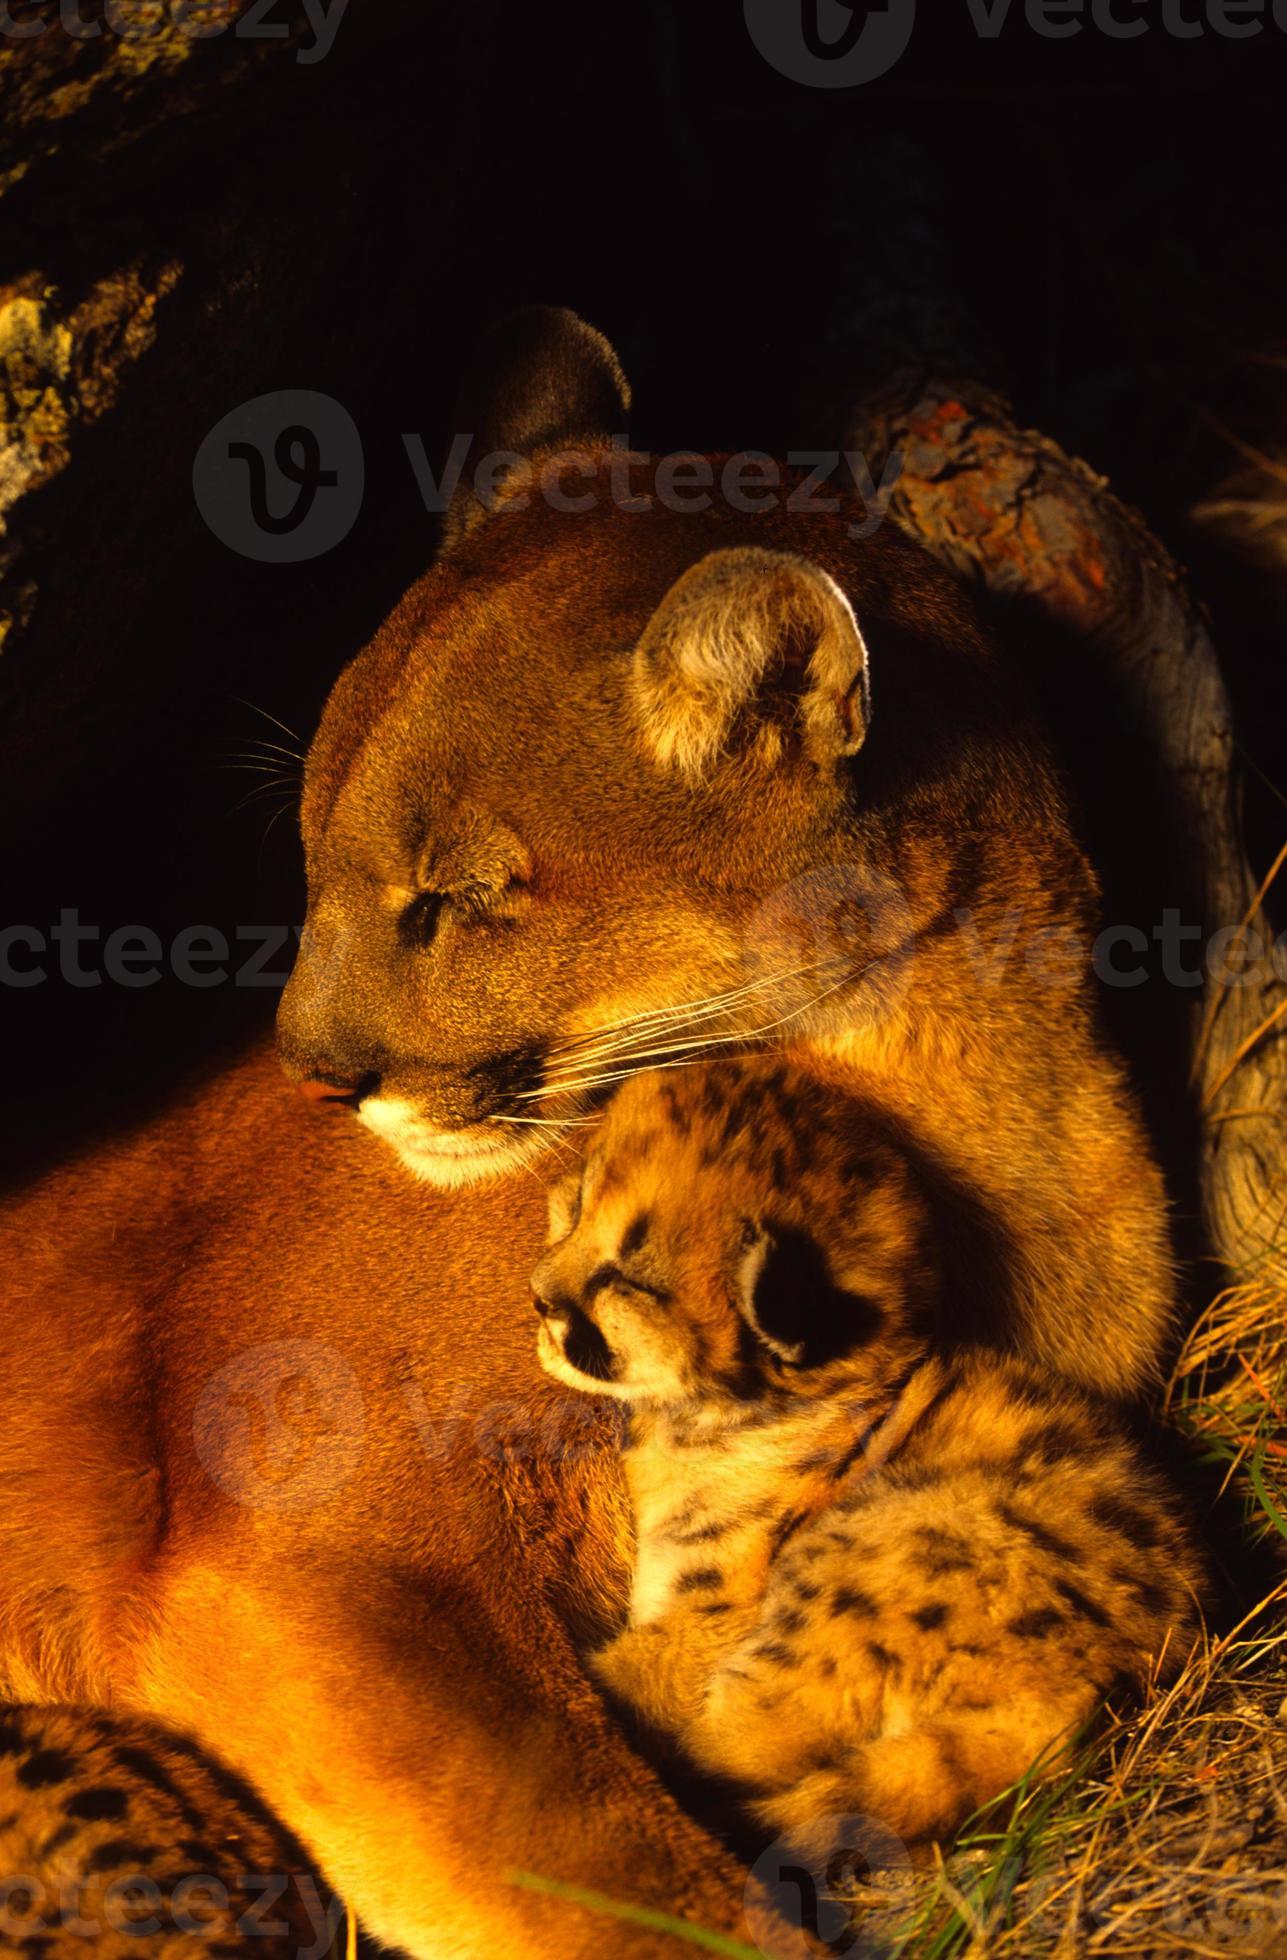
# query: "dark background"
{"points": [[1101, 222]]}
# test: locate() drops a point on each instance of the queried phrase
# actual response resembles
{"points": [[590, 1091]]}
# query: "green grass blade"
{"points": [[657, 1922], [1256, 1472]]}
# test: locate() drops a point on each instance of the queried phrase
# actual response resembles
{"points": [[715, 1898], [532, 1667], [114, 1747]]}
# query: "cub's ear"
{"points": [[753, 649], [789, 1298], [768, 1289], [564, 1206], [541, 379]]}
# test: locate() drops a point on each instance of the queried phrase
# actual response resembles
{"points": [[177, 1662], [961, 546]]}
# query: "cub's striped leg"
{"points": [[119, 1837]]}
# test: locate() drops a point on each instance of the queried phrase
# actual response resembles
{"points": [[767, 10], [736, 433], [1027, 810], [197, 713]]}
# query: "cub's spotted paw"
{"points": [[119, 1838]]}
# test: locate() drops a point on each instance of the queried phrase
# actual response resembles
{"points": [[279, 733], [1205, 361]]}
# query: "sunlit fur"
{"points": [[606, 790], [881, 1571], [712, 649], [450, 1159], [395, 1661]]}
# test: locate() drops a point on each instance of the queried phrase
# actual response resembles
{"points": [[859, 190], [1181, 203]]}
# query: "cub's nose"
{"points": [[549, 1298], [553, 1306], [551, 1294]]}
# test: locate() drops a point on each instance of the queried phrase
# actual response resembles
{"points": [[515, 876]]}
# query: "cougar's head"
{"points": [[549, 814]]}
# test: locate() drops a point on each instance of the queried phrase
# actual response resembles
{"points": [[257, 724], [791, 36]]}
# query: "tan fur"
{"points": [[419, 1713], [509, 903], [728, 623], [870, 1582]]}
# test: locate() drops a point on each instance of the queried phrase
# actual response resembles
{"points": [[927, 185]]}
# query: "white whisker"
{"points": [[285, 791], [719, 1005], [701, 1044], [277, 782], [645, 1045], [624, 1074], [578, 1049], [269, 751], [275, 748], [255, 709], [274, 819], [678, 1010], [549, 1122]]}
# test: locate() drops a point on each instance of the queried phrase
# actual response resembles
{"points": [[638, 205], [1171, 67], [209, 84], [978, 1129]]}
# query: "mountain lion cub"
{"points": [[881, 1569]]}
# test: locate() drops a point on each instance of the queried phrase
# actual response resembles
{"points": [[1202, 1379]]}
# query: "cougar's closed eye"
{"points": [[422, 917], [468, 905]]}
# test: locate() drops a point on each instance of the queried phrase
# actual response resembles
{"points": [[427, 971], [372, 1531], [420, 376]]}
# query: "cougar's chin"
{"points": [[449, 1159]]}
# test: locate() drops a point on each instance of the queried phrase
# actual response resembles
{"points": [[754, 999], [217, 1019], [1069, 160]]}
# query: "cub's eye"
{"points": [[613, 1276]]}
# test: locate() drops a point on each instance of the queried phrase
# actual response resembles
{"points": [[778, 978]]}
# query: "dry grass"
{"points": [[1169, 1836]]}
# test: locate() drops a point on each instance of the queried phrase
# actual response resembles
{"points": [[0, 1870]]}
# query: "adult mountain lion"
{"points": [[278, 1464]]}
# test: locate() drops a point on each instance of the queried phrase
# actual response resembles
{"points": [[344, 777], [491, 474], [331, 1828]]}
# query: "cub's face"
{"points": [[677, 1271], [639, 1293]]}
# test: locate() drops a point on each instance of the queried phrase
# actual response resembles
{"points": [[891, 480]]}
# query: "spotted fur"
{"points": [[882, 1568], [119, 1838]]}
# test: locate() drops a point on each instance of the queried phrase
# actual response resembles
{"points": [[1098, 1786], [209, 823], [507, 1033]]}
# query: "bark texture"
{"points": [[1017, 516]]}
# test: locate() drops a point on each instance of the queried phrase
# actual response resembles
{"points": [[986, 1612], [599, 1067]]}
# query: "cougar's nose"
{"points": [[323, 1090]]}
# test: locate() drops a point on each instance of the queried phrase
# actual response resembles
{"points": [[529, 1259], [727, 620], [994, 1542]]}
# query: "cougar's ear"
{"points": [[788, 1296], [563, 1204], [542, 379], [751, 649]]}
